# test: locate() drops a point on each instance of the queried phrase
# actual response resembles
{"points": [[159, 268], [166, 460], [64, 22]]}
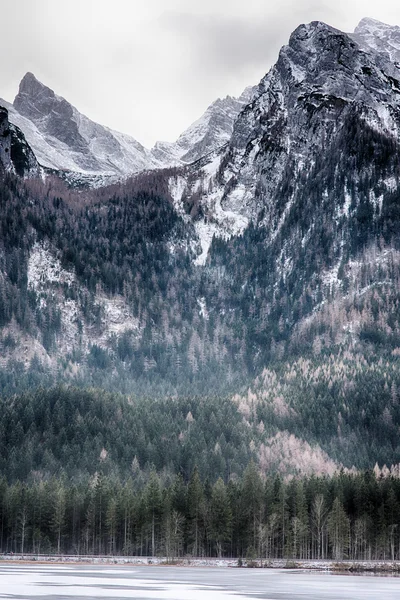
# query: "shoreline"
{"points": [[332, 566]]}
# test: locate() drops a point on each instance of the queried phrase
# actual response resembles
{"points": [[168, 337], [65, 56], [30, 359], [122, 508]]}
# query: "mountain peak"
{"points": [[309, 42], [371, 24], [28, 78], [308, 30], [374, 35], [34, 99], [30, 85]]}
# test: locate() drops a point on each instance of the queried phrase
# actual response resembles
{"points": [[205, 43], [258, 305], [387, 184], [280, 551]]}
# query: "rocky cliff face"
{"points": [[322, 81], [5, 139], [321, 78], [372, 34], [291, 223], [62, 138], [274, 258], [15, 153]]}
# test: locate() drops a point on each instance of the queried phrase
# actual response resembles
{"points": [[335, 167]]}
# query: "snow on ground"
{"points": [[177, 186], [205, 232], [117, 317], [49, 152], [203, 312], [47, 278], [223, 224], [211, 168], [109, 566], [381, 118], [330, 278], [45, 268], [26, 347], [299, 74], [347, 204], [282, 219]]}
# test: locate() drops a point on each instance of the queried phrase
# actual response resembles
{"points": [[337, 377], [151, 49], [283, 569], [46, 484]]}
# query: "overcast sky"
{"points": [[151, 67]]}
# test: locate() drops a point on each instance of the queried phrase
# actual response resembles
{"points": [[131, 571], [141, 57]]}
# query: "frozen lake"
{"points": [[56, 582]]}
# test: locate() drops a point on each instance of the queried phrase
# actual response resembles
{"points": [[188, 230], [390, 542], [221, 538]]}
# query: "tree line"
{"points": [[348, 516]]}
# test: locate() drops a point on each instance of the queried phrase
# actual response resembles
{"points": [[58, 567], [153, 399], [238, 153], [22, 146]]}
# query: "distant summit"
{"points": [[373, 34], [66, 140]]}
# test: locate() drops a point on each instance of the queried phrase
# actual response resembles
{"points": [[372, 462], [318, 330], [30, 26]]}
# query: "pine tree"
{"points": [[252, 506], [319, 515], [153, 505], [59, 507], [339, 530], [196, 508], [220, 516]]}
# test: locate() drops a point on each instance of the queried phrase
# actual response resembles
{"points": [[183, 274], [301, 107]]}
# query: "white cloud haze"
{"points": [[149, 68]]}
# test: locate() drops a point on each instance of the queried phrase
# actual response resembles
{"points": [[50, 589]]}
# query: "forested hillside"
{"points": [[100, 289]]}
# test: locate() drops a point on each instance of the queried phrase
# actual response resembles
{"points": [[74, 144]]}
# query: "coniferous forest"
{"points": [[89, 472], [347, 516]]}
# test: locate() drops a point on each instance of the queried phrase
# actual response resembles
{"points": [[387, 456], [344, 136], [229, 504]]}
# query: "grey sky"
{"points": [[151, 67]]}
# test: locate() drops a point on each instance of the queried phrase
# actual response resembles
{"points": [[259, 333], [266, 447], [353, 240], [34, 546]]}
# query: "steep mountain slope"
{"points": [[370, 33], [211, 131], [65, 140], [322, 81], [5, 142], [309, 179]]}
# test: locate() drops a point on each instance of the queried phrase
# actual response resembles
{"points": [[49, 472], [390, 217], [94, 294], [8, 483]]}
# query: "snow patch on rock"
{"points": [[44, 268], [177, 186]]}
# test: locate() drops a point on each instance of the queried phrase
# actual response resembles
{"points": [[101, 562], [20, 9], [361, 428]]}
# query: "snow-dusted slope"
{"points": [[321, 79], [49, 281], [63, 138], [211, 131], [48, 155], [370, 33]]}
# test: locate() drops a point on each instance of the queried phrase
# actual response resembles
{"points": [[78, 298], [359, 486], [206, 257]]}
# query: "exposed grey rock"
{"points": [[65, 139], [301, 104], [207, 134], [15, 153], [372, 34], [322, 78], [5, 139]]}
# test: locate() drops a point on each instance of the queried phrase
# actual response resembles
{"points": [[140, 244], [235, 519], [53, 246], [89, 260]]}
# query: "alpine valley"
{"points": [[229, 297]]}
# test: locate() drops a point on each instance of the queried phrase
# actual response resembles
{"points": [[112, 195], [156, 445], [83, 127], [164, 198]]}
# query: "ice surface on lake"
{"points": [[55, 582], [67, 582]]}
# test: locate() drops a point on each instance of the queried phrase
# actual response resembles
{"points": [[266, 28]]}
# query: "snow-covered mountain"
{"points": [[370, 33], [64, 139], [211, 131], [322, 79]]}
